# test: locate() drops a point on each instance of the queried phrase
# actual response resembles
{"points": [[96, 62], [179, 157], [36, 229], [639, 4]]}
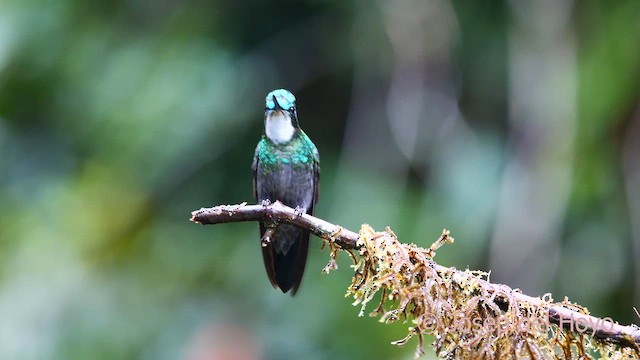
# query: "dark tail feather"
{"points": [[290, 267], [285, 271], [269, 260]]}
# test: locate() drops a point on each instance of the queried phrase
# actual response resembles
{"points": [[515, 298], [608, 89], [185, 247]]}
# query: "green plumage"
{"points": [[299, 152], [285, 169]]}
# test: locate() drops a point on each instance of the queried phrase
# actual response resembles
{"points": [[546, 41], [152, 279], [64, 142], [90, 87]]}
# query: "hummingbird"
{"points": [[286, 169]]}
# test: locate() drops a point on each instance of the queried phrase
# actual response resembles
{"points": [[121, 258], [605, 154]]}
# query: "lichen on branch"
{"points": [[467, 318]]}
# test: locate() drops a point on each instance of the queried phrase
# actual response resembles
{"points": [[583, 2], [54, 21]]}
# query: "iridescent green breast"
{"points": [[299, 153]]}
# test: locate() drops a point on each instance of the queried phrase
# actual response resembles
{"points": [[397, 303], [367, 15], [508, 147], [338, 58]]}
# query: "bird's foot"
{"points": [[266, 202], [299, 211]]}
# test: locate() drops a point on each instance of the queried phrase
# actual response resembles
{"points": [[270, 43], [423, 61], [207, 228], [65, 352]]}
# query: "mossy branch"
{"points": [[469, 316]]}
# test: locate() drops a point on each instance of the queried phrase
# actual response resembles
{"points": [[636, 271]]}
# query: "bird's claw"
{"points": [[299, 211], [266, 202]]}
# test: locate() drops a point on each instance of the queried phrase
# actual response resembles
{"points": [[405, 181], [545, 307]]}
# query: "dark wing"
{"points": [[303, 245], [316, 180], [254, 170], [267, 252]]}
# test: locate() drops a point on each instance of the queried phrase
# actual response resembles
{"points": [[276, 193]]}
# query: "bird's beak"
{"points": [[277, 105]]}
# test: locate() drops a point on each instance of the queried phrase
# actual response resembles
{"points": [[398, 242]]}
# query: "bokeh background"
{"points": [[515, 124]]}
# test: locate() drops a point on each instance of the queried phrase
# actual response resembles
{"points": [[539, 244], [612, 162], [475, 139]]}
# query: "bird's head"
{"points": [[280, 116]]}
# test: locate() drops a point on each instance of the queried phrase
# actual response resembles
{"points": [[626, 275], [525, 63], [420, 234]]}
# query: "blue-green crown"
{"points": [[285, 99]]}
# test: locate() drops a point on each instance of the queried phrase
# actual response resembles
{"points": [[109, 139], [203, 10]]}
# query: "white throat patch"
{"points": [[278, 127]]}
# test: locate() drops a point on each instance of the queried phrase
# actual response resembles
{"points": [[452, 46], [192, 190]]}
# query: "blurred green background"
{"points": [[515, 124]]}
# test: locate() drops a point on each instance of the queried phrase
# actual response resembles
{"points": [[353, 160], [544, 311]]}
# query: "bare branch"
{"points": [[275, 212], [569, 316]]}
